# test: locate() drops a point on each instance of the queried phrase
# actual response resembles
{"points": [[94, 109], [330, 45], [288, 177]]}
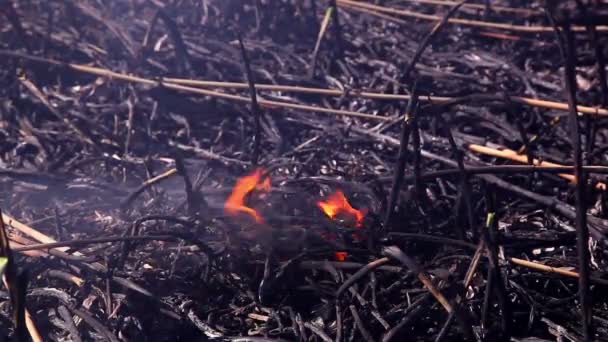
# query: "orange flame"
{"points": [[337, 204], [235, 203], [341, 256]]}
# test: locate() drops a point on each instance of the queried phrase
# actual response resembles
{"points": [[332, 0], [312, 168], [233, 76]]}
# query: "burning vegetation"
{"points": [[300, 170], [336, 207], [236, 203]]}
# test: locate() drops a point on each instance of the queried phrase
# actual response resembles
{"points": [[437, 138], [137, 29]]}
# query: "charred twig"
{"points": [[318, 331], [465, 187], [466, 283], [418, 191], [255, 109], [494, 273], [568, 53], [490, 280], [359, 323], [190, 197], [264, 283], [598, 229], [129, 124], [7, 8], [559, 331], [65, 276], [431, 238], [396, 253], [409, 314], [108, 286], [338, 48], [58, 225], [206, 154], [145, 185], [94, 323], [69, 323], [360, 274], [77, 257], [205, 328], [120, 33], [181, 50], [134, 232], [346, 265], [446, 327], [590, 122], [401, 160], [44, 100], [405, 77]]}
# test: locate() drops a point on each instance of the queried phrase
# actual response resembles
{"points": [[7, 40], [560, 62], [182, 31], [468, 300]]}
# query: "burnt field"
{"points": [[300, 170]]}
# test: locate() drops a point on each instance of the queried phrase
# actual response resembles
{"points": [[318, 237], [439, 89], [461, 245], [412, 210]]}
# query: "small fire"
{"points": [[235, 203], [340, 256], [337, 204]]}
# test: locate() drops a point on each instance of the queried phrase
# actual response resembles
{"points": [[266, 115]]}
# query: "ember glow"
{"points": [[337, 205], [235, 204], [341, 256]]}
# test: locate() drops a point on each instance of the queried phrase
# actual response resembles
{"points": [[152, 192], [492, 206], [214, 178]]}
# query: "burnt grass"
{"points": [[150, 258]]}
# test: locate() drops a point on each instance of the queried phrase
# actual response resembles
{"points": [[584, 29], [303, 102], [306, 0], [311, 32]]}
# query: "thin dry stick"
{"points": [[356, 5], [174, 83], [474, 262], [322, 29], [9, 277], [549, 269], [522, 158], [524, 11], [359, 323], [127, 201], [84, 242], [27, 230], [375, 96], [38, 236], [361, 273], [396, 253], [129, 78]]}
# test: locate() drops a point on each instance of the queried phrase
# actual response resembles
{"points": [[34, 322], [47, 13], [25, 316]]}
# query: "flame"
{"points": [[235, 203], [337, 204], [341, 256]]}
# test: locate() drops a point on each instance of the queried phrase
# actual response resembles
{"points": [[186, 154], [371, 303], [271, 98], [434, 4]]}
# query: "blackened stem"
{"points": [[405, 77], [581, 209], [465, 186], [255, 109], [401, 159], [337, 30], [495, 275], [568, 52]]}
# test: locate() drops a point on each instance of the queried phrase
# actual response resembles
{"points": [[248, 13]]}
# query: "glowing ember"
{"points": [[341, 256], [235, 203], [337, 204]]}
